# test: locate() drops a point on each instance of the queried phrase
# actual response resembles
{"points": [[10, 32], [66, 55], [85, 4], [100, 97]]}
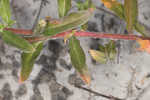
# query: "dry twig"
{"points": [[98, 94]]}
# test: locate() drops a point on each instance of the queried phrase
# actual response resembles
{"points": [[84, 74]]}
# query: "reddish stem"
{"points": [[78, 34], [90, 34], [20, 31]]}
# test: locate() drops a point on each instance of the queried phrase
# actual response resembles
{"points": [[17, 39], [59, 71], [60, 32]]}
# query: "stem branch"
{"points": [[99, 94]]}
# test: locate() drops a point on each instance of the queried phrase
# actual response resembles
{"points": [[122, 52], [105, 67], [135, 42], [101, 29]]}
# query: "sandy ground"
{"points": [[53, 75]]}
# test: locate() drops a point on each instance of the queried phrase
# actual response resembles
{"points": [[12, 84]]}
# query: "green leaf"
{"points": [[101, 48], [84, 26], [69, 22], [115, 6], [111, 50], [98, 56], [1, 27], [85, 5], [131, 13], [5, 11], [17, 41], [141, 29], [118, 9], [105, 53], [28, 60], [63, 7], [78, 59]]}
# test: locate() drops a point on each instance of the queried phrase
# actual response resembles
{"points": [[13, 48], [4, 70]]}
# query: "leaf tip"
{"points": [[86, 78], [21, 81]]}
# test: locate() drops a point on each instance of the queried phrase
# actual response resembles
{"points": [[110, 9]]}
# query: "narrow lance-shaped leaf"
{"points": [[111, 50], [17, 41], [28, 60], [141, 29], [78, 59], [69, 22], [63, 7], [131, 13], [5, 11]]}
